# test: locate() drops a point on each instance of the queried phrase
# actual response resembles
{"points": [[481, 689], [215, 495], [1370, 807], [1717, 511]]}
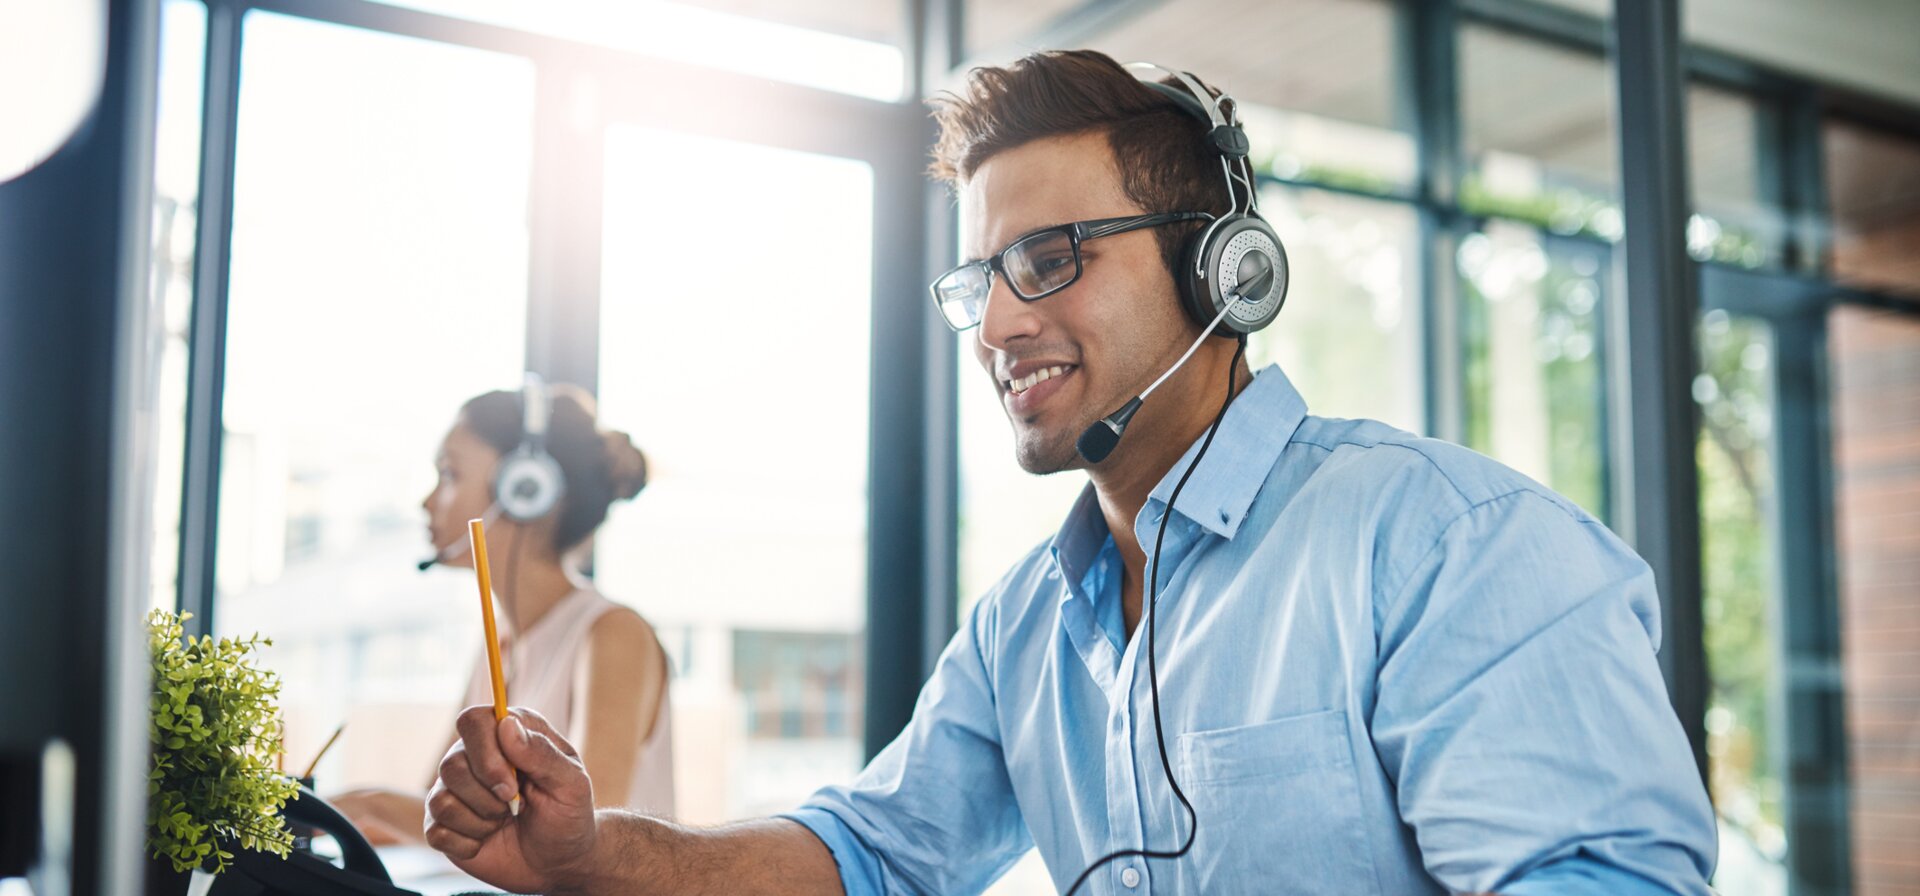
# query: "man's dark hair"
{"points": [[1165, 162]]}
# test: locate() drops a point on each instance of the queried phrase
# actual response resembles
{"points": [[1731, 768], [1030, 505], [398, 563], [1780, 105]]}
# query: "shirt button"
{"points": [[1129, 878]]}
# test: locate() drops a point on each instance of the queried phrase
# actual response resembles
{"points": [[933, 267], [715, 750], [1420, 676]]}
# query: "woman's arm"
{"points": [[385, 815], [622, 679], [388, 815]]}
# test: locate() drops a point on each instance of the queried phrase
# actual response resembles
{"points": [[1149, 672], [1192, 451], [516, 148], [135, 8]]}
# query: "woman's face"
{"points": [[463, 491]]}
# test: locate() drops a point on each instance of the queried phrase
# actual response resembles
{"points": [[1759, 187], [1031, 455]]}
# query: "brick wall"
{"points": [[1875, 358]]}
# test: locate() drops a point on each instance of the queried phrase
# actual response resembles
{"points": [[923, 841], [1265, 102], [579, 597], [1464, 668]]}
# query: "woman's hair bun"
{"points": [[626, 465]]}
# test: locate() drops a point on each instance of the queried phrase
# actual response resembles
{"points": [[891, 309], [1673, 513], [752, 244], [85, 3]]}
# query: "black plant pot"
{"points": [[162, 880]]}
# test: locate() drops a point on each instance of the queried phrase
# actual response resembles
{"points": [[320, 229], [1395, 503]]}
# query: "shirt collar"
{"points": [[1259, 424]]}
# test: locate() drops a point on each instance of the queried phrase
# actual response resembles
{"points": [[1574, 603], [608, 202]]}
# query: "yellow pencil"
{"points": [[477, 540]]}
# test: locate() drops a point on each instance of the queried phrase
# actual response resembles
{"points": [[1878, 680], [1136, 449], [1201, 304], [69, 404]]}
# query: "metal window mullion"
{"points": [[207, 336], [1803, 182], [899, 375], [939, 41], [1810, 728], [1657, 477], [1427, 92]]}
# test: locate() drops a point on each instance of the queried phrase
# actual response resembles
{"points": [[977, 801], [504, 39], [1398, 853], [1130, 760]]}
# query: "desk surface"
{"points": [[426, 871]]}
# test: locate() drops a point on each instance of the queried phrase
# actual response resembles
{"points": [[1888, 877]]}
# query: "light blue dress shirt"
{"points": [[1388, 666]]}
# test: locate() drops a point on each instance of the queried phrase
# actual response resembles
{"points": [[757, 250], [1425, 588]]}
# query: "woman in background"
{"points": [[591, 666]]}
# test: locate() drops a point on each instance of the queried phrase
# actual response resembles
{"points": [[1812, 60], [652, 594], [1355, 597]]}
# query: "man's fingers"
{"points": [[537, 723], [447, 810], [457, 777], [479, 736], [451, 842], [540, 758]]}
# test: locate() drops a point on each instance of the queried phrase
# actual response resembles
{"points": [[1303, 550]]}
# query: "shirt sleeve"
{"points": [[1521, 713], [934, 811]]}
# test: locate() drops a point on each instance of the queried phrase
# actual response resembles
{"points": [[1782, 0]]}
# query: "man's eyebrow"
{"points": [[974, 259]]}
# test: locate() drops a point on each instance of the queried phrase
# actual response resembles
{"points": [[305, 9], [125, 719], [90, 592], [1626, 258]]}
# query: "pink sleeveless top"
{"points": [[544, 671]]}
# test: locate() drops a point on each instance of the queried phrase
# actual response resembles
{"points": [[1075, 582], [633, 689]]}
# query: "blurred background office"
{"points": [[712, 214]]}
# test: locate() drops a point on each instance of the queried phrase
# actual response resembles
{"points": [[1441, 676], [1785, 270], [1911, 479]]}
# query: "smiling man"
{"points": [[1266, 652]]}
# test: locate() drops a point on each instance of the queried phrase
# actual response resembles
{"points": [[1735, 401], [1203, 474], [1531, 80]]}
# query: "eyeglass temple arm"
{"points": [[1122, 225]]}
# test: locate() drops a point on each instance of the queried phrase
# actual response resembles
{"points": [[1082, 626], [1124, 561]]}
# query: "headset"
{"points": [[528, 484], [1233, 272], [1233, 275], [1236, 249]]}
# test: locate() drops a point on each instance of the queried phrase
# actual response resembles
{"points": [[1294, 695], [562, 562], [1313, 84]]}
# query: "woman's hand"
{"points": [[386, 817]]}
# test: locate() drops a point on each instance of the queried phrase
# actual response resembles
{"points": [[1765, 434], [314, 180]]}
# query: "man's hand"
{"points": [[549, 845]]}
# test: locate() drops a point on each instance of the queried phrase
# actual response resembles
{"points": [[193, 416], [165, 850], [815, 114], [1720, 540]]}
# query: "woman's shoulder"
{"points": [[620, 630]]}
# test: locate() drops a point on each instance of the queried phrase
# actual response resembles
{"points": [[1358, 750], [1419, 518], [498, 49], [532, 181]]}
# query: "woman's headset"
{"points": [[529, 483], [1238, 249]]}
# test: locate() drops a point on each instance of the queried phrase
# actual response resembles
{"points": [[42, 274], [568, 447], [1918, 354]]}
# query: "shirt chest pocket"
{"points": [[1279, 808]]}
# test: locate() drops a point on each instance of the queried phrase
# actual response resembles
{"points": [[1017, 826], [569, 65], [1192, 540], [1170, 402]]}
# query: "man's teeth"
{"points": [[1030, 380]]}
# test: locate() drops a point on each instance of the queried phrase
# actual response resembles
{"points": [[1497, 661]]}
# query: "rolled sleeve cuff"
{"points": [[1583, 877], [860, 872]]}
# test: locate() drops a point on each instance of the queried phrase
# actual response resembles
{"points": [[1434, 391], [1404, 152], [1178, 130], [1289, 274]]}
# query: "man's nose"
{"points": [[1006, 317]]}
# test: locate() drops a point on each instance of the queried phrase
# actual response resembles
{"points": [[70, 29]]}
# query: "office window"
{"points": [[741, 367], [846, 47], [1873, 192], [1875, 359], [1538, 132], [1531, 307], [1736, 219], [176, 216], [1741, 600], [1349, 334], [1318, 99], [378, 281], [1000, 30], [797, 685]]}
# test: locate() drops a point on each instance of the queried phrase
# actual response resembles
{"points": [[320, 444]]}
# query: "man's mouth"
{"points": [[1022, 384]]}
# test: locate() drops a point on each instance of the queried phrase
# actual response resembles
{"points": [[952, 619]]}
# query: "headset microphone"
{"points": [[460, 546], [1104, 435]]}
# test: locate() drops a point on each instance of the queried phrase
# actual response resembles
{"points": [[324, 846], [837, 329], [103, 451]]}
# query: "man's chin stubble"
{"points": [[1045, 460]]}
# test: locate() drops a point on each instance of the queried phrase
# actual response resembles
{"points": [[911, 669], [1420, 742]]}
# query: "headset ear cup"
{"points": [[1242, 252], [528, 485], [1195, 294]]}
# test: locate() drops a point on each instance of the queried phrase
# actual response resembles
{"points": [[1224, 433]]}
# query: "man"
{"points": [[1380, 664]]}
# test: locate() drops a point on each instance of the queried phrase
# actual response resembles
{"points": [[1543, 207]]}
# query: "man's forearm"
{"points": [[634, 855]]}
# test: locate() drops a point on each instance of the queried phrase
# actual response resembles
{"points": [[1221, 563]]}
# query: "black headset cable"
{"points": [[1153, 667]]}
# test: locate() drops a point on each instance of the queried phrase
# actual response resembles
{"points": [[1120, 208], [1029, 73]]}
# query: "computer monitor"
{"points": [[74, 475]]}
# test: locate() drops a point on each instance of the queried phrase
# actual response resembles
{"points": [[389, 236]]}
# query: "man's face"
{"points": [[1098, 342]]}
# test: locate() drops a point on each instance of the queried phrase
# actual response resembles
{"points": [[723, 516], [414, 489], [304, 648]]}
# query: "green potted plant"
{"points": [[215, 731]]}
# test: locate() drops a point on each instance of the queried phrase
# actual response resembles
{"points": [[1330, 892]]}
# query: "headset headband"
{"points": [[1224, 133], [1198, 98], [533, 400]]}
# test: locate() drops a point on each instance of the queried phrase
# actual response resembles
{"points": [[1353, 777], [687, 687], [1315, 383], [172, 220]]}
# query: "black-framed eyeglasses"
{"points": [[1036, 265]]}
